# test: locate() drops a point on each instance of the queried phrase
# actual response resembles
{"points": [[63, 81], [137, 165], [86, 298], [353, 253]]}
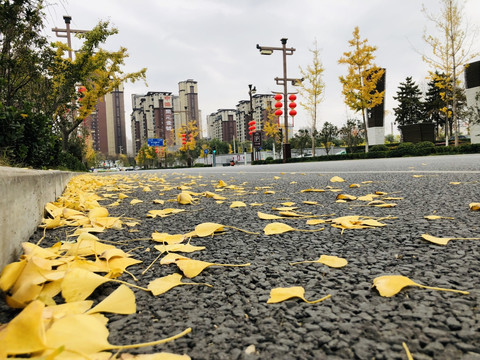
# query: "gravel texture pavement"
{"points": [[232, 320]]}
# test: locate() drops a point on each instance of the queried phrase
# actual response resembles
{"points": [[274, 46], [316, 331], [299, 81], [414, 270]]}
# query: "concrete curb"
{"points": [[23, 195]]}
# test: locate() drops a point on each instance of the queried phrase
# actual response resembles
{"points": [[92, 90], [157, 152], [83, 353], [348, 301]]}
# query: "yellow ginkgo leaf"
{"points": [[437, 217], [285, 208], [10, 274], [221, 184], [97, 212], [164, 212], [277, 228], [147, 189], [237, 204], [281, 294], [122, 196], [310, 202], [443, 241], [179, 248], [280, 228], [265, 216], [316, 221], [135, 201], [25, 334], [170, 258], [52, 223], [346, 197], [331, 261], [184, 198], [336, 179], [288, 203], [158, 201], [207, 229], [162, 285], [192, 268], [121, 301], [474, 206], [354, 186], [390, 285], [255, 204], [78, 284], [269, 192], [312, 190], [168, 238]]}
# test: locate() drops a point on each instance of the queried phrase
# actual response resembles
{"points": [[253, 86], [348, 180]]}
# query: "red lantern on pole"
{"points": [[278, 112], [293, 112], [292, 97], [184, 139], [251, 127], [278, 97], [292, 105]]}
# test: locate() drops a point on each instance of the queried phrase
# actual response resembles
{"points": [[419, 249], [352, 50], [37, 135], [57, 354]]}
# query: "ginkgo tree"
{"points": [[271, 127], [312, 89], [360, 83], [98, 71], [450, 54]]}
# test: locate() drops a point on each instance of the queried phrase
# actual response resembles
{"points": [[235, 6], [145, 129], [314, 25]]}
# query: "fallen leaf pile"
{"points": [[53, 285]]}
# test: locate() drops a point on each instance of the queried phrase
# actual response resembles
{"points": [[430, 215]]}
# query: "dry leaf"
{"points": [[310, 202], [162, 285], [184, 198], [264, 216], [135, 201], [336, 179], [437, 217], [331, 261], [443, 241], [281, 294], [346, 197], [179, 247], [474, 206], [167, 238], [237, 204], [312, 190], [121, 301], [280, 228], [192, 268], [390, 285]]}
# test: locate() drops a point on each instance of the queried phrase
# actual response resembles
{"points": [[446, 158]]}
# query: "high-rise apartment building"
{"points": [[161, 115], [152, 118], [107, 124], [472, 91], [222, 125]]}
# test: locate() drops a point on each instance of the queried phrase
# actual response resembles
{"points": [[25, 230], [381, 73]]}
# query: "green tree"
{"points": [[327, 135], [433, 105], [410, 108], [450, 53], [351, 134], [301, 140], [312, 89], [360, 84], [99, 71]]}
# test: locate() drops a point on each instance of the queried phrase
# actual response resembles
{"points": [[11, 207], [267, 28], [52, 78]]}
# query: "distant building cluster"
{"points": [[162, 114]]}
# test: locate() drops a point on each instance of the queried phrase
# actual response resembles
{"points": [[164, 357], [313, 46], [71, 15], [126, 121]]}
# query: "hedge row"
{"points": [[382, 151]]}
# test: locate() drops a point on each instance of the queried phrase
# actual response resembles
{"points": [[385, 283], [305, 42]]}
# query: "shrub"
{"points": [[424, 148], [69, 162], [403, 149], [377, 148]]}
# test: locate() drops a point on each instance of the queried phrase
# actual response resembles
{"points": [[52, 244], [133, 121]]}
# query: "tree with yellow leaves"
{"points": [[271, 127], [360, 84], [312, 89], [450, 54]]}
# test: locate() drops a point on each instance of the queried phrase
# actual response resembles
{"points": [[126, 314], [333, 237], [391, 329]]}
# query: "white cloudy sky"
{"points": [[214, 43]]}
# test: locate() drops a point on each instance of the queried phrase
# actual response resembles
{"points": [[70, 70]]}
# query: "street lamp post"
{"points": [[251, 91], [267, 50]]}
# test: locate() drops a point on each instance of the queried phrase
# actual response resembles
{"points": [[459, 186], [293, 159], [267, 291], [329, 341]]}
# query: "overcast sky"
{"points": [[214, 43]]}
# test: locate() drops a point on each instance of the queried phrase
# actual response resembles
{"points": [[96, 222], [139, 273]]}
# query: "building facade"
{"points": [[152, 118], [186, 107], [222, 125], [107, 124], [472, 92]]}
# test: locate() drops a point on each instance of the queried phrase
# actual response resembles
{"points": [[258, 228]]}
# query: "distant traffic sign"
{"points": [[205, 151], [155, 142]]}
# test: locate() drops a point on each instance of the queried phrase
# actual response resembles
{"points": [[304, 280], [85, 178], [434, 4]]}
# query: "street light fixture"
{"points": [[268, 50]]}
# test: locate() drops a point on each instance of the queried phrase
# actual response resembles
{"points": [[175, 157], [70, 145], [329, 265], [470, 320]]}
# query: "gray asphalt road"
{"points": [[232, 320]]}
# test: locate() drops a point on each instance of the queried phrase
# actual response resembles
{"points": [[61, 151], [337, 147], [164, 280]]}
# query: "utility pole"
{"points": [[66, 33]]}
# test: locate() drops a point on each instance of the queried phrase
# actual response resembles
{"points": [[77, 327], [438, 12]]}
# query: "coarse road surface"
{"points": [[232, 319]]}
